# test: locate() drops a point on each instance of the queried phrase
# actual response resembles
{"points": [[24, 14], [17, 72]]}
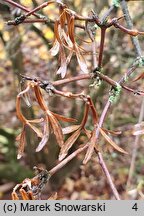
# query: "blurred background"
{"points": [[24, 49]]}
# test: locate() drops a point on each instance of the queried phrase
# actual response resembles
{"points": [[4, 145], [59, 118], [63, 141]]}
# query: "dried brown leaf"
{"points": [[39, 98], [24, 194], [56, 129], [15, 196], [63, 68], [18, 110], [22, 141], [68, 144], [141, 76], [36, 130], [71, 29], [111, 142], [57, 32], [90, 148], [88, 133], [63, 118]]}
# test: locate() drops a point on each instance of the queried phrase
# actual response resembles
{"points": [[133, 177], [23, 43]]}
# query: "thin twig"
{"points": [[128, 19], [108, 176], [138, 52], [66, 160], [135, 149]]}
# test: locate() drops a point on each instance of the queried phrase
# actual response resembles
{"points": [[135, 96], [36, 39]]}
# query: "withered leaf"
{"points": [[57, 32], [111, 142], [55, 49], [27, 100], [24, 194], [67, 41], [45, 136], [63, 68], [22, 141], [39, 98], [141, 76], [114, 133], [71, 29], [68, 144], [15, 196], [81, 60], [88, 133], [90, 148], [63, 118], [70, 129], [36, 130], [36, 120], [18, 110], [56, 129]]}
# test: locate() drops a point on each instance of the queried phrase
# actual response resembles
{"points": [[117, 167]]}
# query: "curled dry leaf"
{"points": [[68, 144], [111, 142]]}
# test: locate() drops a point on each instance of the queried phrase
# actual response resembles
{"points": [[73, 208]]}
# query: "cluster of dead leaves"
{"points": [[50, 123], [64, 31]]}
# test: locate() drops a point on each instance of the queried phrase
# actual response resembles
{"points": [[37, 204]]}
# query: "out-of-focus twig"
{"points": [[138, 52]]}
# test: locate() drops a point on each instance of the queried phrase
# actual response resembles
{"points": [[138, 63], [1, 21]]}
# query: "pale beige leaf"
{"points": [[67, 39], [70, 129], [44, 138], [111, 142], [55, 49], [35, 121], [63, 68], [81, 60]]}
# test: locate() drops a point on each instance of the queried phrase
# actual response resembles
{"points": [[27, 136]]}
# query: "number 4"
{"points": [[135, 207]]}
